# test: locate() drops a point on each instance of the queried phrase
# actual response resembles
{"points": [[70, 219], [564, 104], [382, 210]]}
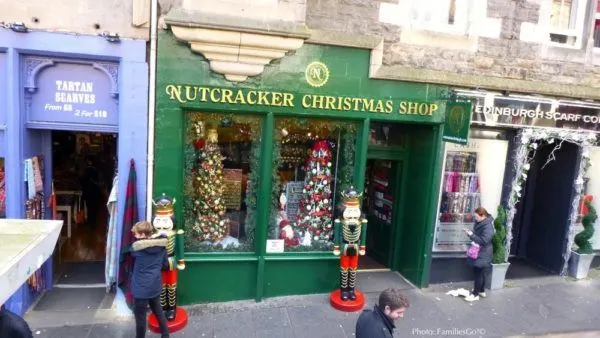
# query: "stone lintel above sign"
{"points": [[235, 47]]}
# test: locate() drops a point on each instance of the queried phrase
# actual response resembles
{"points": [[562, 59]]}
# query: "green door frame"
{"points": [[400, 157]]}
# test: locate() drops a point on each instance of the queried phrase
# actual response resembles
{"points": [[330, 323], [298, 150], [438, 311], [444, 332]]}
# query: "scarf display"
{"points": [[35, 208], [112, 258], [461, 191]]}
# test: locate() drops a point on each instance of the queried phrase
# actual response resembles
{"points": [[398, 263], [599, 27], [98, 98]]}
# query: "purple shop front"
{"points": [[83, 84], [70, 92]]}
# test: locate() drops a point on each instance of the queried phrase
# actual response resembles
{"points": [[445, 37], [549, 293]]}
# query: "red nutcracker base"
{"points": [[181, 319], [349, 305]]}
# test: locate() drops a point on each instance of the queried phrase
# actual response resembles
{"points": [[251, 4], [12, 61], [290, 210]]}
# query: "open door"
{"points": [[383, 177], [551, 206]]}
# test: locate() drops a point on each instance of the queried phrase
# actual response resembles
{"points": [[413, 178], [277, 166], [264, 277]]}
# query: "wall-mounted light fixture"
{"points": [[111, 37], [18, 27]]}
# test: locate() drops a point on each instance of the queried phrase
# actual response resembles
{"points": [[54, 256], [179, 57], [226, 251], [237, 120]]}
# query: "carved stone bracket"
{"points": [[112, 71], [33, 65], [236, 55], [237, 46]]}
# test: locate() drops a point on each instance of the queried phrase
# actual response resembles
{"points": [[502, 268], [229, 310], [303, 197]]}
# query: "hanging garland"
{"points": [[530, 139]]}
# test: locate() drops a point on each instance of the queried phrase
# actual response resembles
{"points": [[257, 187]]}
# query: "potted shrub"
{"points": [[581, 259], [499, 262]]}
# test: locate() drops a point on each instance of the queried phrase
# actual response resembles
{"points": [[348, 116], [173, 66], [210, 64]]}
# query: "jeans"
{"points": [[480, 278], [140, 310]]}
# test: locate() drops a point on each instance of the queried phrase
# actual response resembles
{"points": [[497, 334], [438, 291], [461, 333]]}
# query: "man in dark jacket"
{"points": [[379, 322], [150, 258], [12, 325]]}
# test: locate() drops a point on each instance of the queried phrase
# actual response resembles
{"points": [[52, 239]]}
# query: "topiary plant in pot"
{"points": [[581, 259], [499, 263]]}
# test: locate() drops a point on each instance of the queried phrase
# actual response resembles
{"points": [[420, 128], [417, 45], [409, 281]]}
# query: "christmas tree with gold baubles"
{"points": [[315, 210], [210, 223]]}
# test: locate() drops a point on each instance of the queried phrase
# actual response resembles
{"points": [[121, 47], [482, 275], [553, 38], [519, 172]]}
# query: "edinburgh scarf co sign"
{"points": [[520, 111]]}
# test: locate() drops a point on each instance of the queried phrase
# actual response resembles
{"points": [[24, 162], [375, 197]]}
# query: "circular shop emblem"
{"points": [[317, 74], [457, 118]]}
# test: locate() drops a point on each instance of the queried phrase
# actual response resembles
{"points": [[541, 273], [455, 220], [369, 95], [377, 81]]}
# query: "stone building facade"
{"points": [[129, 19], [515, 46]]}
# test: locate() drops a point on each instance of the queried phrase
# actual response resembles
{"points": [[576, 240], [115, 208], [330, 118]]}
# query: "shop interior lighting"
{"points": [[19, 27]]}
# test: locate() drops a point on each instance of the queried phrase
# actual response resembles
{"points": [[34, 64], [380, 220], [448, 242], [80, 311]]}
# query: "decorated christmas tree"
{"points": [[210, 223], [315, 210]]}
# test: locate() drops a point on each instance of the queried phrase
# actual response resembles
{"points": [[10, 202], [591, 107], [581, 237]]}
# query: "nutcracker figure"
{"points": [[349, 243], [164, 224]]}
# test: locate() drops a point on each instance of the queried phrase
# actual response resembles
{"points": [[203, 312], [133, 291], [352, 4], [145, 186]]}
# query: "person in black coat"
{"points": [[150, 254], [379, 322], [13, 326], [482, 234]]}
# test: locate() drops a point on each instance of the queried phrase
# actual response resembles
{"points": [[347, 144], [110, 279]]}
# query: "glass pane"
{"points": [[561, 13], [473, 177], [222, 159], [387, 135], [313, 162]]}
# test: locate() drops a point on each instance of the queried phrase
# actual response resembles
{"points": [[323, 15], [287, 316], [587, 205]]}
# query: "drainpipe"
{"points": [[151, 106]]}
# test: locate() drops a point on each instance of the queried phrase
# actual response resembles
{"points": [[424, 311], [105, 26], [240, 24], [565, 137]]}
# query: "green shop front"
{"points": [[257, 168]]}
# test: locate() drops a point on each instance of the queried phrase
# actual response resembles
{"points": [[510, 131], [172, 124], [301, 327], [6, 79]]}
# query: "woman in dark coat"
{"points": [[482, 233]]}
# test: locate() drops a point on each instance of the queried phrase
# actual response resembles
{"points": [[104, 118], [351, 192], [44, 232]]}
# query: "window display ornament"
{"points": [[350, 243], [211, 224], [315, 211], [286, 231]]}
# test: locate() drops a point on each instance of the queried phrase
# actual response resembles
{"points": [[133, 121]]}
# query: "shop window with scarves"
{"points": [[313, 162], [222, 162], [473, 177]]}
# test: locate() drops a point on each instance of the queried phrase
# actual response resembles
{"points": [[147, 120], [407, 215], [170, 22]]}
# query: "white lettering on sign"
{"points": [[535, 114], [70, 94], [74, 86]]}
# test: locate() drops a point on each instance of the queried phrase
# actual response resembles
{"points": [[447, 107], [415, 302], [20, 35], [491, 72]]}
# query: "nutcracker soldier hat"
{"points": [[164, 205], [351, 198]]}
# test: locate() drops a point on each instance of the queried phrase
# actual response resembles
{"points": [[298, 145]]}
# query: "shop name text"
{"points": [[535, 114], [185, 94]]}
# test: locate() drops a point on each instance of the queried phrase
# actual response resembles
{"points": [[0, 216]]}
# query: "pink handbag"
{"points": [[473, 251]]}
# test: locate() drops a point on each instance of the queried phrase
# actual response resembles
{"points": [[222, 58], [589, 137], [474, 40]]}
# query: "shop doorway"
{"points": [[542, 220], [83, 168], [383, 178]]}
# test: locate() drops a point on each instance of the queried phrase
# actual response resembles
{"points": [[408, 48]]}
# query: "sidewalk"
{"points": [[560, 306]]}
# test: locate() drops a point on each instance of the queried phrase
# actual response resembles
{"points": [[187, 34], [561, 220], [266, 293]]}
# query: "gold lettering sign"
{"points": [[253, 97]]}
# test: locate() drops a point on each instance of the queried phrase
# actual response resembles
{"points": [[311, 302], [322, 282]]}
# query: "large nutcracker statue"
{"points": [[349, 243], [165, 226]]}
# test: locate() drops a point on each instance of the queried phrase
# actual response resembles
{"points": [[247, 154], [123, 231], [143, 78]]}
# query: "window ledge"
{"points": [[562, 45]]}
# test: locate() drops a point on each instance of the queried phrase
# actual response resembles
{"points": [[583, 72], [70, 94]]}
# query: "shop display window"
{"points": [[222, 161], [473, 177], [313, 162]]}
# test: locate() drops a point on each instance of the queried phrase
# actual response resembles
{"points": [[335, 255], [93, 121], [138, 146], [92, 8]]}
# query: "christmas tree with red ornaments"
{"points": [[315, 209], [210, 223]]}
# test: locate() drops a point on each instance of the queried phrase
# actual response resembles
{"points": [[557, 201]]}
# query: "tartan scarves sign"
{"points": [[529, 140], [130, 217]]}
